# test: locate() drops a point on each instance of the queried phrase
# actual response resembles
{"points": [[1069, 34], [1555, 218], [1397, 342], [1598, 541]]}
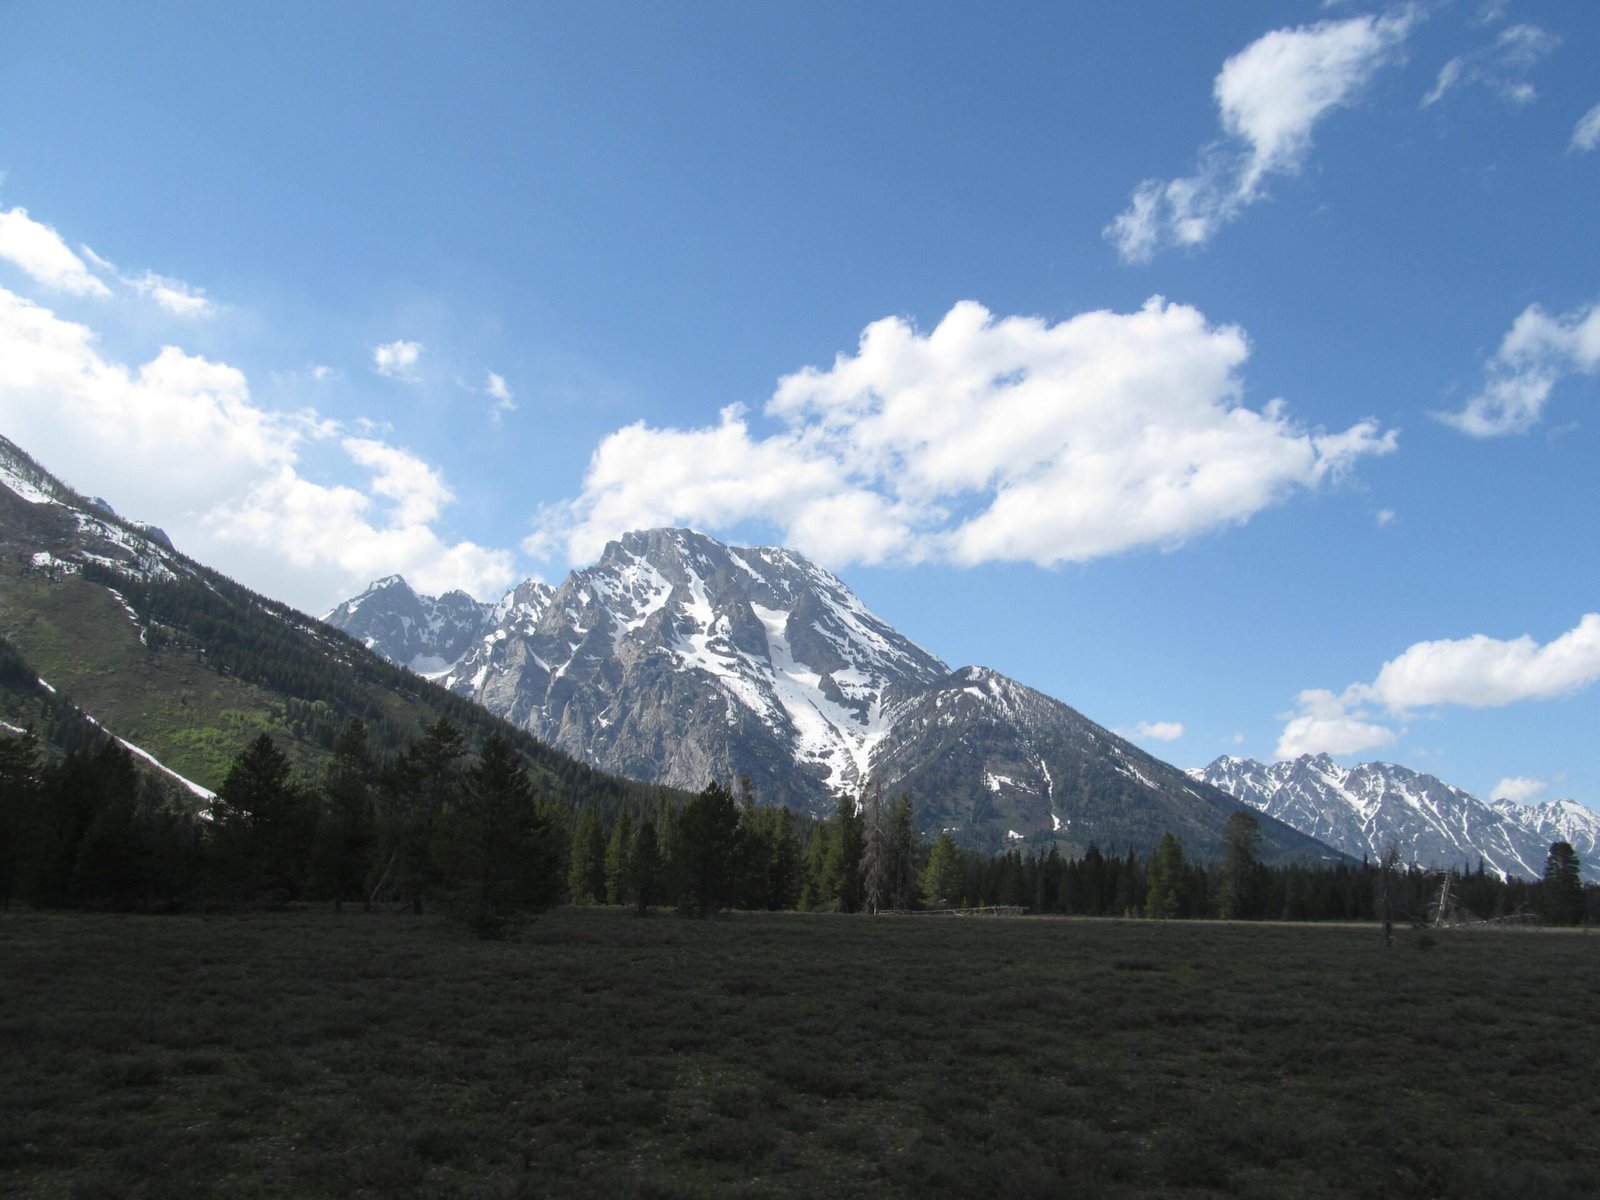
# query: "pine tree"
{"points": [[785, 866], [1562, 893], [586, 877], [20, 784], [645, 867], [415, 793], [841, 876], [263, 825], [345, 818], [706, 851], [944, 877], [1237, 887], [903, 849], [497, 846], [619, 860], [1167, 867], [875, 858]]}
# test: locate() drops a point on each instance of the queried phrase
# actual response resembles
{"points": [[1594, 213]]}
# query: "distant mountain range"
{"points": [[105, 628], [679, 659], [1361, 810]]}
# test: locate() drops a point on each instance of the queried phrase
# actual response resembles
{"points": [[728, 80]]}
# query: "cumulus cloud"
{"points": [[1325, 723], [1472, 672], [40, 253], [1519, 789], [1158, 731], [987, 439], [1502, 66], [1270, 96], [180, 441], [504, 401], [1586, 134], [397, 359], [1535, 354], [179, 298]]}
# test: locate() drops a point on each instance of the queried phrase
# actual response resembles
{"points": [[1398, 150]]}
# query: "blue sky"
{"points": [[1227, 371]]}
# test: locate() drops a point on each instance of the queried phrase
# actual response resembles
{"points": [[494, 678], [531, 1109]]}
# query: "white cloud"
{"points": [[397, 359], [1158, 731], [1270, 96], [1485, 672], [1586, 134], [1329, 724], [39, 252], [416, 489], [179, 298], [504, 401], [1502, 67], [986, 439], [1472, 672], [1384, 516], [179, 441], [1519, 789], [1535, 354]]}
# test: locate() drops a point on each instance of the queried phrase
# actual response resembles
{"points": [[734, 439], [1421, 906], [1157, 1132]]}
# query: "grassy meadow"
{"points": [[312, 1054]]}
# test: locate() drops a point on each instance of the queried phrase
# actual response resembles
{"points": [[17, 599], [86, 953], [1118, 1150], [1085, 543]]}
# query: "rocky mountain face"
{"points": [[678, 659], [106, 629], [1361, 810]]}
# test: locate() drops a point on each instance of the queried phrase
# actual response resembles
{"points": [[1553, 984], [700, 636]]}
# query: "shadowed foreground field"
{"points": [[310, 1054]]}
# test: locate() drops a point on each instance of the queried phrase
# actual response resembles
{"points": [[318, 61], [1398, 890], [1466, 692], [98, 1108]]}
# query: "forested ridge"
{"points": [[482, 835]]}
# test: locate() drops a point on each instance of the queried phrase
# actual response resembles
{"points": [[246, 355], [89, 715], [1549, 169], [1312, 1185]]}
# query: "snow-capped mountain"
{"points": [[1559, 821], [679, 659], [1361, 810]]}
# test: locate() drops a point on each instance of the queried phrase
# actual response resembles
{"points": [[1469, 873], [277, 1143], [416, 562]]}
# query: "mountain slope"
{"points": [[189, 666], [679, 659], [1361, 810]]}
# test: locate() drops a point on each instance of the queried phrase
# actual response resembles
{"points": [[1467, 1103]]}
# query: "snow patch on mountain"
{"points": [[1364, 809]]}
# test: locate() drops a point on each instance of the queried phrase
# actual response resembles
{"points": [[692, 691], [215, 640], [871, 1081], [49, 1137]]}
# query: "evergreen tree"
{"points": [[903, 850], [1166, 874], [842, 868], [263, 824], [497, 844], [619, 860], [414, 794], [344, 837], [1238, 887], [706, 851], [644, 882], [586, 877], [785, 864], [944, 877], [1562, 893], [876, 867], [20, 783]]}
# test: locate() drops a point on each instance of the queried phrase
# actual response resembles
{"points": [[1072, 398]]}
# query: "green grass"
{"points": [[310, 1054]]}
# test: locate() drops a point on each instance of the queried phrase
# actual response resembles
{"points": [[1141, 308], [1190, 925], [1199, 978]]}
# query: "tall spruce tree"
{"points": [[263, 824], [944, 877], [586, 877], [498, 849], [343, 846], [903, 849], [1562, 892], [706, 851], [1237, 888], [619, 860], [876, 867], [20, 783], [644, 868], [1163, 899], [414, 794]]}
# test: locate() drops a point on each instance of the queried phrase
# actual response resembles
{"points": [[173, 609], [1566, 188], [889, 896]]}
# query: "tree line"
{"points": [[481, 837]]}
